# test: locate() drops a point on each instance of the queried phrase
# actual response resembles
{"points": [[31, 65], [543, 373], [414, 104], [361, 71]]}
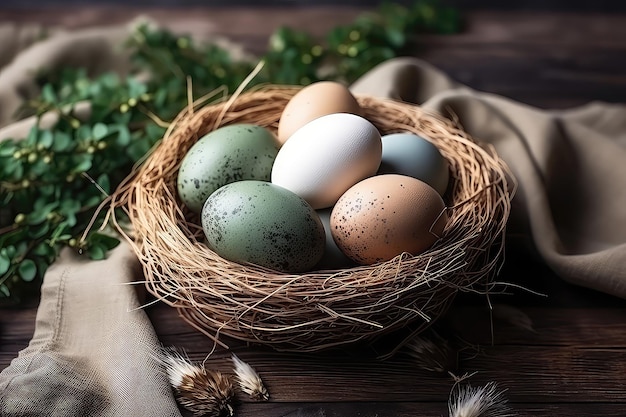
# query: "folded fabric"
{"points": [[29, 52], [94, 351], [570, 167], [95, 49]]}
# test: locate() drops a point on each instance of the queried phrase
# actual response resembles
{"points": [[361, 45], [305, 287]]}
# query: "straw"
{"points": [[318, 309]]}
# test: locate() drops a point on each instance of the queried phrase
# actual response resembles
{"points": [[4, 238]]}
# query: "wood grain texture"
{"points": [[549, 59], [16, 330], [562, 353], [410, 409]]}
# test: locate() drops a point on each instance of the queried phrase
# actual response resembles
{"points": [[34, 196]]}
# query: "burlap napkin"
{"points": [[570, 166], [95, 49], [92, 349]]}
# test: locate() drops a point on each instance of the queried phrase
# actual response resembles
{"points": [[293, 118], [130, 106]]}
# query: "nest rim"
{"points": [[315, 310]]}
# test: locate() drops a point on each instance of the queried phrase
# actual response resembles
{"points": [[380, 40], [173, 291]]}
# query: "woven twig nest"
{"points": [[318, 309]]}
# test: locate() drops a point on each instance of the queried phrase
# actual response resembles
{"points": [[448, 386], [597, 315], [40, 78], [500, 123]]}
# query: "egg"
{"points": [[315, 100], [333, 257], [412, 155], [261, 223], [327, 156], [231, 153], [386, 215]]}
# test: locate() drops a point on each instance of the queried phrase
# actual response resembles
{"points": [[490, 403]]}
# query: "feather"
{"points": [[249, 380], [484, 401], [202, 391]]}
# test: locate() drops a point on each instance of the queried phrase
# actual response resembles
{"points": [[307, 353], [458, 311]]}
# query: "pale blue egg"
{"points": [[411, 155], [333, 257]]}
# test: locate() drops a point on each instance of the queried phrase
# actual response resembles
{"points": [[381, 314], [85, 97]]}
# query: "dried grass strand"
{"points": [[318, 309]]}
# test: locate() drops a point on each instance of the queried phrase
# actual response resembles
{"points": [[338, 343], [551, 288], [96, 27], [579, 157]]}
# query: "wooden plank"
{"points": [[553, 374], [573, 354], [559, 371], [16, 329], [407, 409], [548, 77], [542, 59], [530, 375], [569, 358], [506, 324], [544, 326]]}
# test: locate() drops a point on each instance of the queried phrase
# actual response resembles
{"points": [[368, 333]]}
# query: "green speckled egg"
{"points": [[265, 224], [231, 153]]}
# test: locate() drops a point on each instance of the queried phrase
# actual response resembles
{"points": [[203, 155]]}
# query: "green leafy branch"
{"points": [[53, 181]]}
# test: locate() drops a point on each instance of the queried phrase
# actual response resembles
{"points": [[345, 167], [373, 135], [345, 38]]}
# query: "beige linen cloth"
{"points": [[570, 166], [92, 351]]}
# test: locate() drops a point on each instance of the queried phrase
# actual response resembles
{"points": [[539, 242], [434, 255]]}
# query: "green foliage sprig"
{"points": [[348, 51], [53, 181]]}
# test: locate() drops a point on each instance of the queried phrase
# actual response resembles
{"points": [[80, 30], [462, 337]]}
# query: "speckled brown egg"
{"points": [[386, 215], [315, 100]]}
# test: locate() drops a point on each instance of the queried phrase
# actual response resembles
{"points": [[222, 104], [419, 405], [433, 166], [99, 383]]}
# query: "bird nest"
{"points": [[323, 308]]}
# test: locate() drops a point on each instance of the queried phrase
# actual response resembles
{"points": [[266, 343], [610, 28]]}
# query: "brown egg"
{"points": [[313, 101], [386, 215]]}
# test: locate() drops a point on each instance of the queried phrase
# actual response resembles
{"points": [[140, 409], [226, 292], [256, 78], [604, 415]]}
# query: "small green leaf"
{"points": [[97, 252], [137, 150], [27, 270], [396, 38], [5, 290], [135, 88], [70, 206], [71, 219], [62, 141], [46, 139], [84, 163], [104, 183], [40, 212], [42, 267], [48, 94], [123, 138], [43, 249], [13, 168], [123, 119], [93, 201], [108, 242], [11, 251], [154, 132], [7, 148], [5, 263], [33, 134], [40, 231], [83, 132], [47, 189], [110, 80], [99, 131]]}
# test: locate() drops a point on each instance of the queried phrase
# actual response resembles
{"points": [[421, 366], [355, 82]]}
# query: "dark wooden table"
{"points": [[562, 354]]}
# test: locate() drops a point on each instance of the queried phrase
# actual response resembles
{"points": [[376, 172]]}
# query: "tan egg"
{"points": [[386, 215], [313, 101]]}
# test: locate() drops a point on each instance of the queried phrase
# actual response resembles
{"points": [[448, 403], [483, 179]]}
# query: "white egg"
{"points": [[326, 156]]}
